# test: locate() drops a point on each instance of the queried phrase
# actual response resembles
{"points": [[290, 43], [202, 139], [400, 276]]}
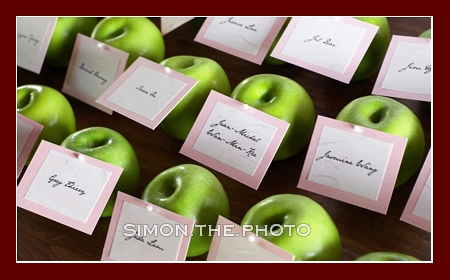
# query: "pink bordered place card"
{"points": [[146, 92], [169, 24], [141, 231], [330, 46], [33, 38], [351, 163], [246, 37], [66, 186], [27, 134], [93, 67], [234, 139], [234, 243], [406, 69], [418, 209]]}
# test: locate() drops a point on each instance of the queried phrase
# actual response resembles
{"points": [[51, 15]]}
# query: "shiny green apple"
{"points": [[284, 99], [297, 224], [194, 192], [138, 36], [210, 76], [385, 256], [389, 115], [110, 146], [64, 36], [50, 108]]}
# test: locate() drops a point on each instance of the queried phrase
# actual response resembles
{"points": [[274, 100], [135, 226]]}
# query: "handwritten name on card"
{"points": [[233, 138], [93, 68], [406, 71], [353, 164], [33, 38], [67, 187], [146, 92], [331, 46]]}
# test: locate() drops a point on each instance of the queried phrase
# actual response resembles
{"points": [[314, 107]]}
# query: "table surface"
{"points": [[361, 230]]}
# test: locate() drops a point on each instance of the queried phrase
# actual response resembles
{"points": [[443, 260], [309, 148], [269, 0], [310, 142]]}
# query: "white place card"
{"points": [[354, 164], [27, 133], [33, 37], [330, 46], [249, 38], [93, 68], [141, 231], [406, 69], [66, 186], [169, 24], [146, 92], [234, 139]]}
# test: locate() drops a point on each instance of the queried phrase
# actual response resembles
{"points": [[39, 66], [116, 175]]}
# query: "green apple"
{"points": [[386, 256], [48, 107], [285, 99], [110, 146], [210, 76], [194, 192], [269, 60], [389, 115], [373, 58], [296, 224], [64, 36], [138, 36], [425, 34]]}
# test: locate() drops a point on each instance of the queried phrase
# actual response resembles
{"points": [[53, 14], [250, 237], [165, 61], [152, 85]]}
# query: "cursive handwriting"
{"points": [[70, 184], [141, 89], [139, 238], [96, 74], [319, 39], [242, 132], [29, 39], [153, 244], [231, 20], [412, 66], [360, 164]]}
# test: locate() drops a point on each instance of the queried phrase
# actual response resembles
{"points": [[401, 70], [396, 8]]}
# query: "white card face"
{"points": [[146, 92], [23, 132], [169, 24], [33, 38], [27, 133], [93, 68], [422, 208], [406, 70]]}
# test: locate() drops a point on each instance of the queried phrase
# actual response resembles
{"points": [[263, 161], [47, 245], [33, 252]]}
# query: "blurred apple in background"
{"points": [[284, 99], [425, 34], [48, 107], [389, 115], [138, 36], [210, 75], [110, 146], [64, 36], [385, 256]]}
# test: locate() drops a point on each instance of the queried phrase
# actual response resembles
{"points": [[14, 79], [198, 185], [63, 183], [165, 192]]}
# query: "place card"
{"points": [[27, 134], [406, 69], [233, 243], [169, 24], [141, 231], [249, 38], [234, 139], [418, 210], [33, 39], [330, 46], [66, 186], [351, 163], [146, 92], [93, 67]]}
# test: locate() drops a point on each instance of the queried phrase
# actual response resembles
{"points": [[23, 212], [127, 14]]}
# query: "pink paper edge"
{"points": [[36, 68], [32, 170], [152, 124], [237, 230], [387, 186], [346, 77], [407, 215], [379, 90], [88, 99], [121, 198], [36, 129], [263, 49], [251, 181]]}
